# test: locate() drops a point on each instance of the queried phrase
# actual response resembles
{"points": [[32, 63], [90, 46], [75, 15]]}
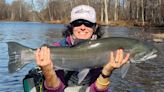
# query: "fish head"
{"points": [[143, 52]]}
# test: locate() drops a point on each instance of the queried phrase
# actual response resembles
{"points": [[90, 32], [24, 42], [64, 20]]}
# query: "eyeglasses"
{"points": [[77, 23]]}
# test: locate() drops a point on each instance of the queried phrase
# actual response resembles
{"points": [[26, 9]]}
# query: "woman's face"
{"points": [[82, 29], [82, 32]]}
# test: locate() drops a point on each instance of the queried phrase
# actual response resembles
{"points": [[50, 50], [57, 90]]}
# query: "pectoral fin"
{"points": [[124, 69], [82, 74]]}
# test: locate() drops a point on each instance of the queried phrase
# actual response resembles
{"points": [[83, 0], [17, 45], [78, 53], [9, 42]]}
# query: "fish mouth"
{"points": [[151, 55]]}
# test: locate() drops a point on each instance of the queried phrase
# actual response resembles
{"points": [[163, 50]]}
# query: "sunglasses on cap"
{"points": [[79, 22]]}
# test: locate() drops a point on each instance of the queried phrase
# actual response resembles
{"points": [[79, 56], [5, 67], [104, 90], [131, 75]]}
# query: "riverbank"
{"points": [[130, 23], [117, 23], [156, 36]]}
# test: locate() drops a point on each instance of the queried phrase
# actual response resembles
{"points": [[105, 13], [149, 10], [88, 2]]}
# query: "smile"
{"points": [[82, 33]]}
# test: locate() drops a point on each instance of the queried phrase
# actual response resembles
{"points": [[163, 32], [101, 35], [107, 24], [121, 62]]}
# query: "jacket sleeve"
{"points": [[60, 88], [93, 88]]}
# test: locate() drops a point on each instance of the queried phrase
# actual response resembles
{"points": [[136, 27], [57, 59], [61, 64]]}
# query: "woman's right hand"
{"points": [[43, 58]]}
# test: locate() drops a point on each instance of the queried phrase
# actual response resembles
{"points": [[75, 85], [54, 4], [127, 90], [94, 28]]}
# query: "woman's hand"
{"points": [[115, 61], [43, 58]]}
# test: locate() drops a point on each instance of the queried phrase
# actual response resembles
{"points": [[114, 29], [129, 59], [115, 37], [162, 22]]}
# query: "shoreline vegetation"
{"points": [[117, 23], [122, 23], [157, 37], [127, 13]]}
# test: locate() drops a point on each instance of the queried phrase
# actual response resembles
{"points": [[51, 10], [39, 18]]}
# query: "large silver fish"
{"points": [[84, 56]]}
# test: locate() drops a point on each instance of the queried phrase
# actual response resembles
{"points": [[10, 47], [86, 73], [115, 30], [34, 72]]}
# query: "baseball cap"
{"points": [[83, 12]]}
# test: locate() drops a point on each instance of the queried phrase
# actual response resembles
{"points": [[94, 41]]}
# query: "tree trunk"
{"points": [[116, 10], [49, 11], [137, 16], [160, 12], [106, 11], [102, 15], [125, 9], [12, 15], [20, 12], [143, 15]]}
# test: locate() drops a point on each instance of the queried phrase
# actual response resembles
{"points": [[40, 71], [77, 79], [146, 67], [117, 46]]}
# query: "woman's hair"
{"points": [[69, 31]]}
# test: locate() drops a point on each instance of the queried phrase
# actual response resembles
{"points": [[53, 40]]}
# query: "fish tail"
{"points": [[15, 56]]}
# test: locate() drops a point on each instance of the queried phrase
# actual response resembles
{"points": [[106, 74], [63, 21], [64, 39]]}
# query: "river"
{"points": [[144, 77]]}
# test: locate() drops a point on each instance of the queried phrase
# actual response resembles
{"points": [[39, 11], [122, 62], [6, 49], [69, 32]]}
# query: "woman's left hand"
{"points": [[115, 61]]}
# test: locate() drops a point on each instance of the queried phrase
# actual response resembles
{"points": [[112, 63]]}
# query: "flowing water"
{"points": [[145, 77]]}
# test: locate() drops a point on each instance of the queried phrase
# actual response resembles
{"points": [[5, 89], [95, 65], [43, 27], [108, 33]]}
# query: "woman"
{"points": [[82, 27]]}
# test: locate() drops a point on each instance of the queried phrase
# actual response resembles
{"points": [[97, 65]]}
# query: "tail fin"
{"points": [[17, 56]]}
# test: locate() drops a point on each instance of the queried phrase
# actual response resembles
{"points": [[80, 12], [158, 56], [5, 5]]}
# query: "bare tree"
{"points": [[102, 12], [138, 6], [49, 11], [106, 11], [161, 19], [143, 15], [116, 10], [38, 7]]}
